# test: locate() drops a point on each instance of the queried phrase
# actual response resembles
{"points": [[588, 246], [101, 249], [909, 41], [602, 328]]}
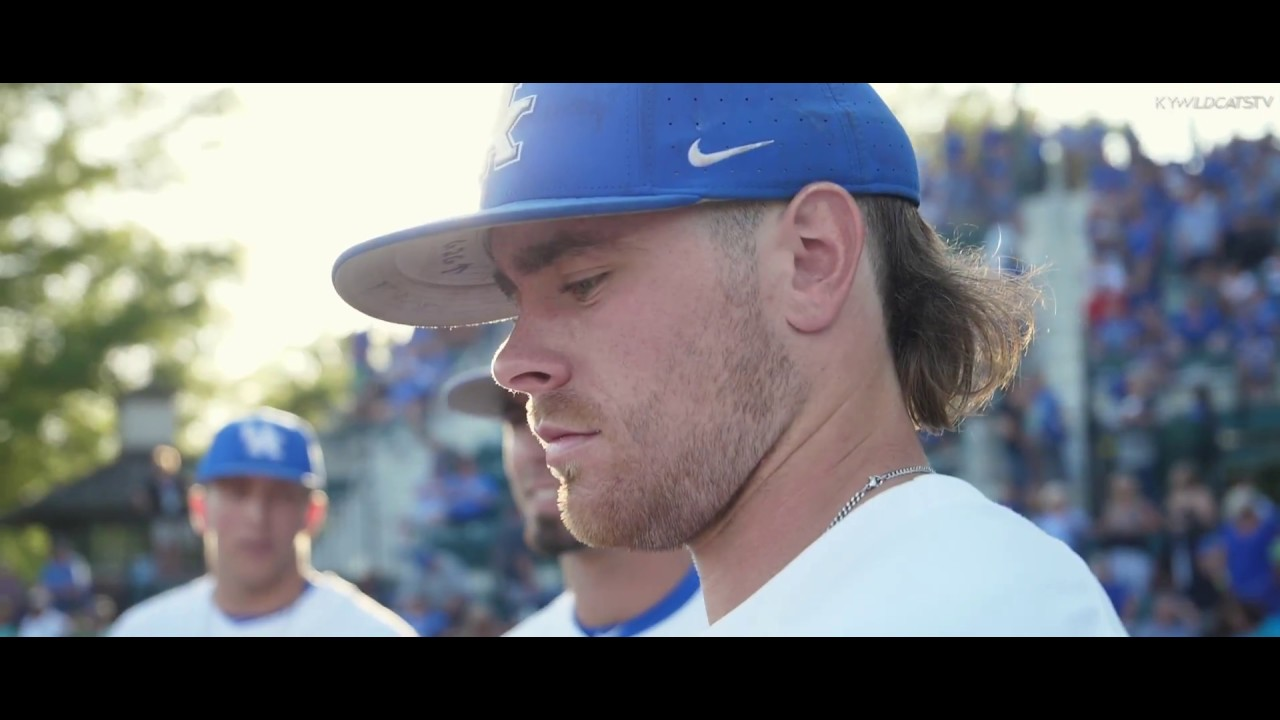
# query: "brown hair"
{"points": [[957, 327]]}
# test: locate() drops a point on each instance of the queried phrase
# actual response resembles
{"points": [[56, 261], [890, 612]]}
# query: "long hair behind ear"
{"points": [[958, 327]]}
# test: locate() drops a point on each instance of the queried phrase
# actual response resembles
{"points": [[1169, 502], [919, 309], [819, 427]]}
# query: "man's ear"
{"points": [[826, 236], [197, 508], [317, 512]]}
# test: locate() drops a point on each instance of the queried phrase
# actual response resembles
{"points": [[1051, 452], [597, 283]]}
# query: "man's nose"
{"points": [[526, 363], [255, 510]]}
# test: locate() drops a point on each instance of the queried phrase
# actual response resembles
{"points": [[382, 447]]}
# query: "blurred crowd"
{"points": [[402, 386], [1191, 565], [1183, 318], [461, 524], [62, 603], [1186, 274]]}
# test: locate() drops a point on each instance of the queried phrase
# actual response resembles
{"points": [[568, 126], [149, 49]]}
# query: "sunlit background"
{"points": [[287, 176]]}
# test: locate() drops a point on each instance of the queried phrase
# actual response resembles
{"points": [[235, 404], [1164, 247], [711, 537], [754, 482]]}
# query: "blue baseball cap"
{"points": [[475, 392], [266, 443], [566, 150]]}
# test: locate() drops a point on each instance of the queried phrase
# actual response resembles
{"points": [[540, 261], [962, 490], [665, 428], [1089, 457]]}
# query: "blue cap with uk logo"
{"points": [[567, 150], [267, 443]]}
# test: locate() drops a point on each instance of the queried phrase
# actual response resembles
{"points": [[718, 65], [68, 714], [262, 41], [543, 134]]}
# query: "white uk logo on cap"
{"points": [[262, 441], [505, 149]]}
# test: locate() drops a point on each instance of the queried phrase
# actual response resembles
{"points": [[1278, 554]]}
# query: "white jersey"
{"points": [[682, 613], [932, 557], [329, 607]]}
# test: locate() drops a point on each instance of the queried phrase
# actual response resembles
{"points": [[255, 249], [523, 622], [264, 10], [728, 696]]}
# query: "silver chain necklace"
{"points": [[874, 482]]}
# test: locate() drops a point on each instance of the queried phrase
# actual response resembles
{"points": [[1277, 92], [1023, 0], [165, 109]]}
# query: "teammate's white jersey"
{"points": [[681, 613], [932, 557], [329, 607]]}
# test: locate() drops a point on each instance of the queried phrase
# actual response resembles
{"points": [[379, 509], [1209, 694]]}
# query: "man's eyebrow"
{"points": [[541, 255]]}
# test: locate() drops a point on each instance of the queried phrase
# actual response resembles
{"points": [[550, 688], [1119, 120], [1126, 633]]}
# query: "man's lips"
{"points": [[551, 434], [560, 442]]}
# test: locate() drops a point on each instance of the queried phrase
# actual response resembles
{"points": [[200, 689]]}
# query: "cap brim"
{"points": [[476, 393], [440, 275], [263, 470]]}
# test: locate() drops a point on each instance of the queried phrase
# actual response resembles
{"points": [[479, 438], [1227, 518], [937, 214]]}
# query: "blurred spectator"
{"points": [[1197, 226], [163, 498], [164, 493], [1206, 449], [468, 493], [1122, 594], [479, 620], [1046, 428], [1125, 532], [1192, 517], [1249, 529], [144, 578], [1129, 417], [1270, 625], [402, 389], [523, 593], [457, 493], [1171, 616], [11, 587], [1200, 327], [96, 618], [66, 578], [358, 346], [1059, 518], [1011, 432], [428, 619], [441, 577], [8, 617], [43, 618]]}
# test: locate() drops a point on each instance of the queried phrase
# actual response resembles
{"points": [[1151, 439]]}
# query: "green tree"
{"points": [[316, 382], [88, 311]]}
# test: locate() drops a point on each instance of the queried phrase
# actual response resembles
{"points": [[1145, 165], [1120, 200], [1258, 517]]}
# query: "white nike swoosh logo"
{"points": [[699, 159]]}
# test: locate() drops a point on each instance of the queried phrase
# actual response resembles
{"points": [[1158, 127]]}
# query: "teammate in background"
{"points": [[731, 324], [608, 593], [257, 503]]}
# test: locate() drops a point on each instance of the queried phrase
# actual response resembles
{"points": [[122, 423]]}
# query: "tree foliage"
{"points": [[88, 311], [315, 382]]}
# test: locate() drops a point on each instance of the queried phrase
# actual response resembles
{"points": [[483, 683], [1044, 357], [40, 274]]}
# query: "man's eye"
{"points": [[583, 288]]}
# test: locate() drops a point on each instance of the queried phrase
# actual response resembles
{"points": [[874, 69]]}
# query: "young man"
{"points": [[257, 503], [729, 287], [608, 592]]}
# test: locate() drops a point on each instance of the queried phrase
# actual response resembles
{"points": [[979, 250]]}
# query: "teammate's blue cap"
{"points": [[266, 443], [564, 150], [476, 392]]}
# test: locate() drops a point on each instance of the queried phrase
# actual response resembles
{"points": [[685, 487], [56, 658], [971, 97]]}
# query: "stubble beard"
{"points": [[674, 476]]}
